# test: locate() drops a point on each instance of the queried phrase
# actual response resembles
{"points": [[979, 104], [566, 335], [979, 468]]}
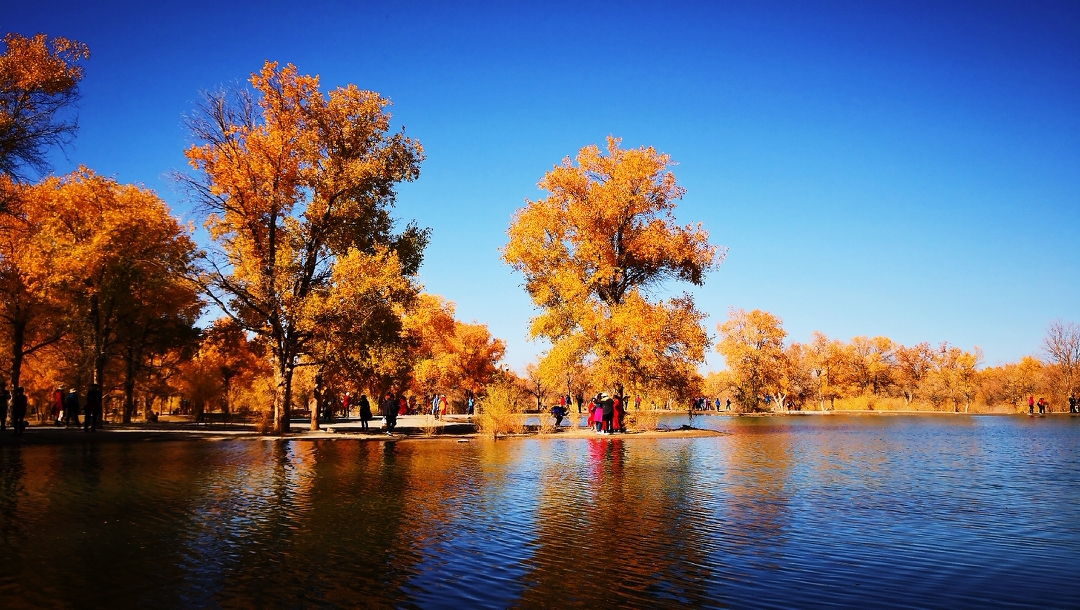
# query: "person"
{"points": [[365, 412], [1042, 405], [558, 412], [57, 405], [18, 411], [607, 409], [71, 408], [727, 404], [637, 402], [93, 409], [443, 404], [1031, 404], [345, 405], [469, 405], [5, 398], [389, 408], [595, 418], [1072, 404], [435, 406], [580, 402], [616, 420]]}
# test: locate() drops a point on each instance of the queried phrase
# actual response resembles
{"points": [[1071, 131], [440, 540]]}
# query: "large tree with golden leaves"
{"points": [[39, 79], [296, 184], [593, 251]]}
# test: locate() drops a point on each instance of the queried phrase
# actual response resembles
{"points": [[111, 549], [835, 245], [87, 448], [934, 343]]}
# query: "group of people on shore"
{"points": [[1042, 404], [607, 414], [65, 408]]}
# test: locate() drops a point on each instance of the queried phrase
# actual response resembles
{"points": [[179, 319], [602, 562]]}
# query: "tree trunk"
{"points": [[18, 339], [129, 386]]}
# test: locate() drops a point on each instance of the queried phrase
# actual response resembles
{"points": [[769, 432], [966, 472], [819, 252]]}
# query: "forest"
{"points": [[307, 284]]}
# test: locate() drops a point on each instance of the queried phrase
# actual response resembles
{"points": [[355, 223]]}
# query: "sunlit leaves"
{"points": [[592, 251]]}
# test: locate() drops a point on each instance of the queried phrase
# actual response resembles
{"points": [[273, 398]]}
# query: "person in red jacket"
{"points": [[1031, 405], [617, 418]]}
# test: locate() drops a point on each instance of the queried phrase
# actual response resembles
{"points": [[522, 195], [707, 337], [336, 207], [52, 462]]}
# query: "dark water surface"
{"points": [[842, 511]]}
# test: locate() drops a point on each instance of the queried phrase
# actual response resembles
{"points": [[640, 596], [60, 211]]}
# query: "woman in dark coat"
{"points": [[365, 411]]}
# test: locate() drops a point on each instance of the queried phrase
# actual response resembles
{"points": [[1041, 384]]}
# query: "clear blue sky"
{"points": [[882, 168]]}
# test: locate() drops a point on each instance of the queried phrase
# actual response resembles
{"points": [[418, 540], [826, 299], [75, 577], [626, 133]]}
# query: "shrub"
{"points": [[499, 411]]}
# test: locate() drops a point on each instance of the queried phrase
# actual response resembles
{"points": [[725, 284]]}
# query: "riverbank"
{"points": [[409, 428]]}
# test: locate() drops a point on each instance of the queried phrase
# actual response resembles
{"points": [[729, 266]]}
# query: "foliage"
{"points": [[298, 187], [752, 344], [593, 250], [103, 277], [39, 79], [499, 410]]}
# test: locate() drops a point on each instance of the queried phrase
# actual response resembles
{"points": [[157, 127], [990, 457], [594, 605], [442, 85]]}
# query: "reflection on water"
{"points": [[848, 511]]}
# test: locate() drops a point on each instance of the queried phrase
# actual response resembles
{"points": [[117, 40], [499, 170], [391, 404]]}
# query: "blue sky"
{"points": [[903, 169]]}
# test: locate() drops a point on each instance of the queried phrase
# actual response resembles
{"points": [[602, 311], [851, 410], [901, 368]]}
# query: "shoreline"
{"points": [[410, 428]]}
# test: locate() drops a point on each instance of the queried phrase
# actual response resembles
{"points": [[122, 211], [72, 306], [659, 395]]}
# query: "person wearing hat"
{"points": [[608, 409]]}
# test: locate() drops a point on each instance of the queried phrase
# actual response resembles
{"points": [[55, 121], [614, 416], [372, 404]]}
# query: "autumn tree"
{"points": [[451, 356], [593, 251], [225, 366], [122, 266], [295, 182], [39, 78], [32, 315], [913, 364], [752, 344], [1062, 345]]}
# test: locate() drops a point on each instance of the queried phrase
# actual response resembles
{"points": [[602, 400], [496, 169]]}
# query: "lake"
{"points": [[848, 511]]}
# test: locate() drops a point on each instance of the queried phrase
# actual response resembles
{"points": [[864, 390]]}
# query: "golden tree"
{"points": [[752, 344], [1062, 345], [122, 266], [39, 79], [32, 315], [295, 183], [593, 251]]}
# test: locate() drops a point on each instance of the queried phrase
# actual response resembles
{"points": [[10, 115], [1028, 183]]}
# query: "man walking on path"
{"points": [[71, 408], [93, 408], [18, 410], [389, 408]]}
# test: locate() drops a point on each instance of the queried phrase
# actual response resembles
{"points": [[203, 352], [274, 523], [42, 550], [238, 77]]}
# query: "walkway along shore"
{"points": [[409, 428]]}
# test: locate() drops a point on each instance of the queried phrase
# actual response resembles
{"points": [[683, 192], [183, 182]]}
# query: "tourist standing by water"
{"points": [[607, 410], [469, 405], [595, 417], [1031, 405], [389, 408], [1072, 403], [5, 399], [617, 419], [365, 412], [57, 405], [18, 410], [1042, 405], [71, 408], [93, 408]]}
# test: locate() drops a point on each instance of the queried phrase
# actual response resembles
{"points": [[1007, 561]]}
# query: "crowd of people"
{"points": [[66, 408]]}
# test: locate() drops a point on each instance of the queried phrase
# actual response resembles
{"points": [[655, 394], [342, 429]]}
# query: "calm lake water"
{"points": [[842, 511]]}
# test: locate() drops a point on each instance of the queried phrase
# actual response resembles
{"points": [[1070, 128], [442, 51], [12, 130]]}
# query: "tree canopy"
{"points": [[298, 186], [39, 79], [594, 251]]}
